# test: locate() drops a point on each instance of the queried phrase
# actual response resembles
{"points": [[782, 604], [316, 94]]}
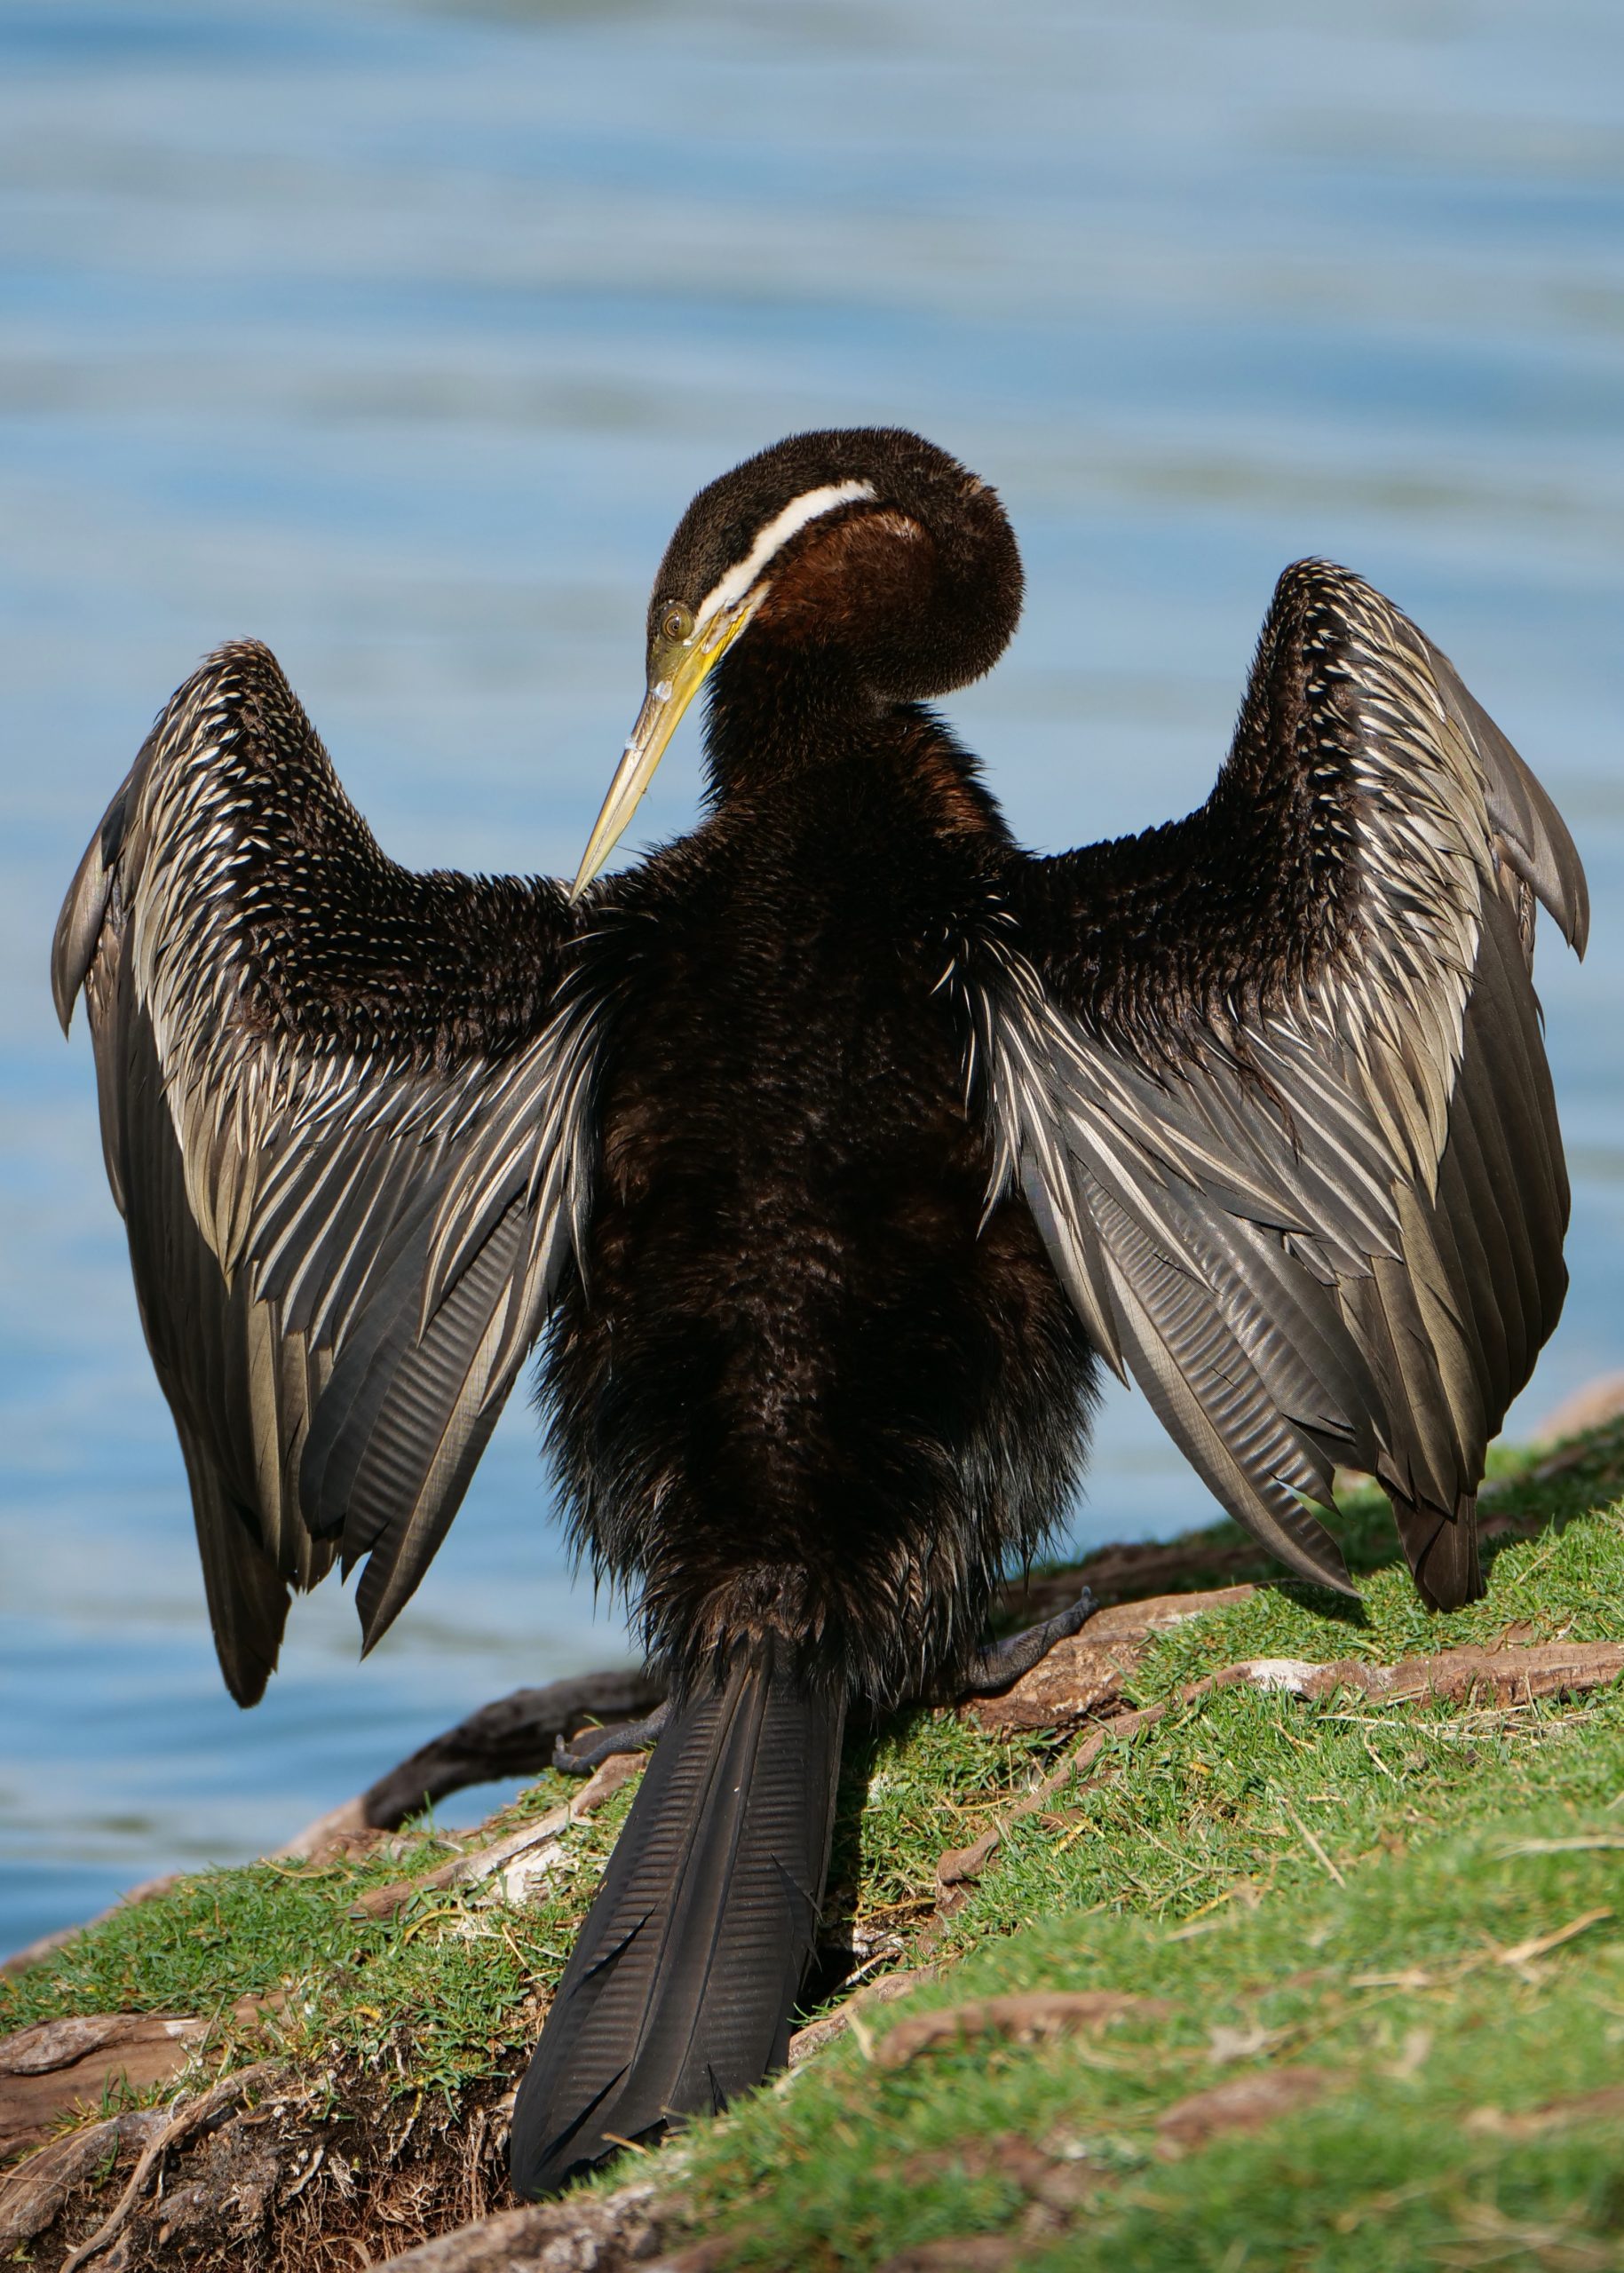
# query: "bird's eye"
{"points": [[676, 622]]}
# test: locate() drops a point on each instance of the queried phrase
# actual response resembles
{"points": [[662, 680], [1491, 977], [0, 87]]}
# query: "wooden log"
{"points": [[56, 2066], [515, 1736]]}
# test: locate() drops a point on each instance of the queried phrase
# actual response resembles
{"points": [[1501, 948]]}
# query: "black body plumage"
{"points": [[851, 1399], [826, 1153]]}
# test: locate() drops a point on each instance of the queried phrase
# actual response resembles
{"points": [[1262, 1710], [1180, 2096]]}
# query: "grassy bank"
{"points": [[1381, 1947]]}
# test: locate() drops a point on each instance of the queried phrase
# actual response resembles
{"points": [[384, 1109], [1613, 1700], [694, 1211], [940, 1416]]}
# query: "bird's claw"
{"points": [[994, 1669], [585, 1753]]}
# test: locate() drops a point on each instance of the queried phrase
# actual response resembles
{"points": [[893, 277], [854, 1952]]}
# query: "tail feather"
{"points": [[680, 1987], [1442, 1550]]}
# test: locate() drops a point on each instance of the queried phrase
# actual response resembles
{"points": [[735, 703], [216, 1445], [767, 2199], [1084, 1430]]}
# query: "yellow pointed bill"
{"points": [[677, 670]]}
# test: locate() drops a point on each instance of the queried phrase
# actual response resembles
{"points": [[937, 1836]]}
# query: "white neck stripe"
{"points": [[743, 573]]}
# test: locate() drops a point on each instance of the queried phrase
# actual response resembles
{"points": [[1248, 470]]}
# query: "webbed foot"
{"points": [[593, 1746], [996, 1668]]}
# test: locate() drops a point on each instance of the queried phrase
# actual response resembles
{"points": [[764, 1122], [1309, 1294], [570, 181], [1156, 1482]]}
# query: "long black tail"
{"points": [[680, 1987]]}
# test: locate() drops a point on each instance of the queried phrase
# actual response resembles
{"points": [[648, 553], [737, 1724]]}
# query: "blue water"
{"points": [[398, 335]]}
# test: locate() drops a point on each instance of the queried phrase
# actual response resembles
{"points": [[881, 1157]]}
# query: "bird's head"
{"points": [[874, 560]]}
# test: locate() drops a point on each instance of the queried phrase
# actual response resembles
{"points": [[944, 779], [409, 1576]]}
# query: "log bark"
{"points": [[32, 2197], [49, 2070], [514, 1736], [607, 2233], [1085, 1675]]}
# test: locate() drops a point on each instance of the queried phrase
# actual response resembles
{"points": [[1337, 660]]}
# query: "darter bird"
{"points": [[827, 1152]]}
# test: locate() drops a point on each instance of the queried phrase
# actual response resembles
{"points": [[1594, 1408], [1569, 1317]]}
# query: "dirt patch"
{"points": [[1018, 2019], [265, 2171], [1246, 2104]]}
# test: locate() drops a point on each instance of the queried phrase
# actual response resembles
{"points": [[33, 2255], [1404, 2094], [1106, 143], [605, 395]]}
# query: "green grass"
{"points": [[1203, 1821], [436, 1997], [854, 2164], [1311, 1848]]}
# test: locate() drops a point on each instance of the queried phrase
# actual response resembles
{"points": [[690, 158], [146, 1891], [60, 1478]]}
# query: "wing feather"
{"points": [[1303, 1176], [352, 1169]]}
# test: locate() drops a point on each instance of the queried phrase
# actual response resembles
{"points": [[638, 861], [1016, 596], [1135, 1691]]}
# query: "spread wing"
{"points": [[343, 1112], [1273, 1081]]}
